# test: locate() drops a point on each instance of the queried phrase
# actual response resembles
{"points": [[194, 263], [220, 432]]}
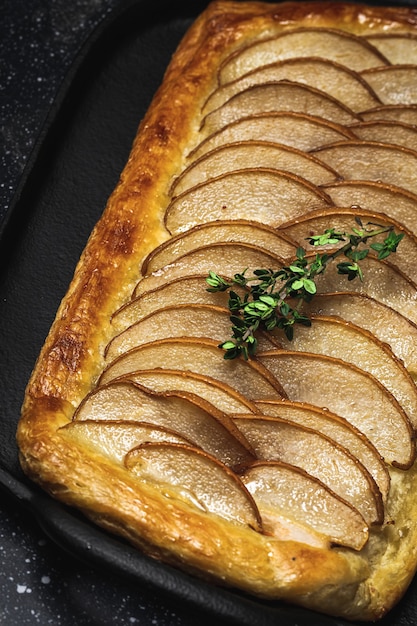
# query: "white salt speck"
{"points": [[21, 588], [45, 580]]}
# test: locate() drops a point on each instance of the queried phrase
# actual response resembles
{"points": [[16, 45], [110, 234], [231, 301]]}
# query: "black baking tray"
{"points": [[74, 167]]}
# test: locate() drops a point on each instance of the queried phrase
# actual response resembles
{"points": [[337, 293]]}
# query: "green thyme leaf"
{"points": [[272, 299]]}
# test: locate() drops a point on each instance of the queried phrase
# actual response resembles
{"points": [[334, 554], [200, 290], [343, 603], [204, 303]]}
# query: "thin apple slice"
{"points": [[179, 291], [398, 48], [383, 282], [406, 113], [220, 395], [281, 490], [336, 428], [190, 417], [259, 194], [181, 320], [299, 130], [278, 96], [276, 439], [348, 391], [198, 478], [115, 439], [204, 357], [333, 336], [334, 79], [242, 154], [388, 325], [336, 45], [394, 84], [387, 131], [242, 231], [225, 258], [400, 204], [343, 220], [369, 160]]}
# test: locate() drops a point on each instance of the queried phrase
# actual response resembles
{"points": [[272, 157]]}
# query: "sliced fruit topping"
{"points": [[220, 395], [398, 48], [243, 154], [264, 195], [343, 220], [395, 84], [367, 160], [278, 96], [183, 413], [336, 428], [335, 45], [387, 131], [299, 130], [401, 205], [406, 113], [348, 391], [250, 378], [281, 490], [336, 337], [242, 231], [385, 323], [384, 282], [337, 80], [276, 439], [183, 320], [115, 439], [178, 291], [228, 257], [196, 477]]}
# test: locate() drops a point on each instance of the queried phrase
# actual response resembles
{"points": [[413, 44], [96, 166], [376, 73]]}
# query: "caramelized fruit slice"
{"points": [[201, 356], [243, 154], [338, 81], [396, 133], [398, 48], [336, 428], [395, 84], [278, 96], [275, 439], [344, 389], [299, 130], [384, 282], [267, 196], [178, 291], [400, 204], [406, 113], [115, 439], [224, 257], [182, 320], [368, 160], [343, 220], [335, 45], [220, 395], [381, 320], [336, 337], [187, 415], [281, 490], [198, 478], [242, 231]]}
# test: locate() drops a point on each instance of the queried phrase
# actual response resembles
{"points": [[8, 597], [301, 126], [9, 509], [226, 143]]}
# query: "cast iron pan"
{"points": [[73, 169]]}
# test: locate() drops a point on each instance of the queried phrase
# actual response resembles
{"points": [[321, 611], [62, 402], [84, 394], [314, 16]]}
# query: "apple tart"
{"points": [[289, 475]]}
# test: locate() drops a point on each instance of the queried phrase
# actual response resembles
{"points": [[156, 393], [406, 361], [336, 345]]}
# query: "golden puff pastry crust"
{"points": [[358, 584]]}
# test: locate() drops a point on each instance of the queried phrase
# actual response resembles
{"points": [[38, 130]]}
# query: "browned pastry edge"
{"points": [[335, 581]]}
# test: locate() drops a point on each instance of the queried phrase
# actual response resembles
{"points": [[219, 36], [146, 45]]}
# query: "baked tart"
{"points": [[287, 473]]}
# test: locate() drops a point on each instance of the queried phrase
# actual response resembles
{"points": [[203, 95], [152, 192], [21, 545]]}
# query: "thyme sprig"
{"points": [[272, 299]]}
